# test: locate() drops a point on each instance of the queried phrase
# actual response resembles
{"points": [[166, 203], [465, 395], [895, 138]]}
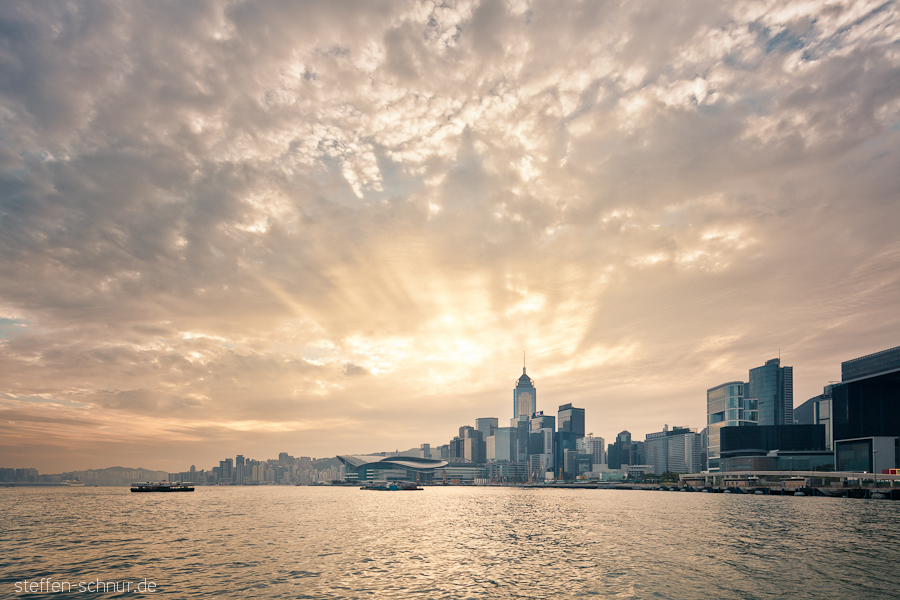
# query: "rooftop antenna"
{"points": [[523, 362]]}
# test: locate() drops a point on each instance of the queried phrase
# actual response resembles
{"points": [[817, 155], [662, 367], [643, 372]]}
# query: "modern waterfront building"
{"points": [[773, 387], [726, 406], [390, 468], [517, 471], [796, 447], [638, 471], [876, 454], [865, 413], [461, 473], [524, 397], [866, 403]]}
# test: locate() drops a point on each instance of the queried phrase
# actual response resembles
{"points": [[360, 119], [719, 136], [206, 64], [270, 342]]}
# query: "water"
{"points": [[455, 542]]}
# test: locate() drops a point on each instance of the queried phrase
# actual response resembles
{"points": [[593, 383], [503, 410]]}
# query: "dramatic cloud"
{"points": [[333, 227]]}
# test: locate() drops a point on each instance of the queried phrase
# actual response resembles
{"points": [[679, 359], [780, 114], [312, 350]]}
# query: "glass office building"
{"points": [[571, 419], [487, 426], [773, 386], [726, 406], [501, 447]]}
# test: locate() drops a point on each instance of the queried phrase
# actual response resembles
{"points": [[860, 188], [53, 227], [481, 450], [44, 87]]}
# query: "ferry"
{"points": [[393, 487], [161, 486], [73, 483]]}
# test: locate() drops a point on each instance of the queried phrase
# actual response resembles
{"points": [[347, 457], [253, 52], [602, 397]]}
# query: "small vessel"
{"points": [[161, 486], [73, 483], [392, 487]]}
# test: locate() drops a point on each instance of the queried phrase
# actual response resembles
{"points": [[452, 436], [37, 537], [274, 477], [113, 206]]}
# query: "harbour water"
{"points": [[445, 542]]}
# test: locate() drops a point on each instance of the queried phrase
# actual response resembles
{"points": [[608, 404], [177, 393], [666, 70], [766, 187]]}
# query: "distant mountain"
{"points": [[410, 452], [325, 463], [106, 470]]}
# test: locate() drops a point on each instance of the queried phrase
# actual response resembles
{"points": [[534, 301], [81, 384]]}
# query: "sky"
{"points": [[328, 228]]}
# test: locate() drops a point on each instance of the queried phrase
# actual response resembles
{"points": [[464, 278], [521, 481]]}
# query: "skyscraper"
{"points": [[487, 426], [676, 450], [501, 447], [620, 451], [571, 419], [773, 386], [524, 397], [541, 421], [596, 447]]}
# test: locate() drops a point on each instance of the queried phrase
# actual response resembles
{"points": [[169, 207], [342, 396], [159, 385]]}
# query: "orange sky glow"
{"points": [[333, 228]]}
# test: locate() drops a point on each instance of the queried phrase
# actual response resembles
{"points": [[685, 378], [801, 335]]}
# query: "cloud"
{"points": [[226, 213]]}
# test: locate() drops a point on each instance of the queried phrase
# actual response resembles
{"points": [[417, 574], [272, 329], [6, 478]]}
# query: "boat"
{"points": [[392, 487], [161, 486], [73, 483]]}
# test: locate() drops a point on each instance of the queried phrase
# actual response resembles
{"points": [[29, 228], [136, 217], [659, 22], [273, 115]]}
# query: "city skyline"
{"points": [[572, 419], [332, 229]]}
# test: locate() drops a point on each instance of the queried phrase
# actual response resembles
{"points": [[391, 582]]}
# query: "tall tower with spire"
{"points": [[524, 395]]}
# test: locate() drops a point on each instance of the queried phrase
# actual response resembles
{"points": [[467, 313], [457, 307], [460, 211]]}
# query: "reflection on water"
{"points": [[455, 542]]}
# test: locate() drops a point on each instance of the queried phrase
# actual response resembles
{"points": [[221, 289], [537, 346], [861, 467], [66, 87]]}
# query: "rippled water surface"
{"points": [[455, 542]]}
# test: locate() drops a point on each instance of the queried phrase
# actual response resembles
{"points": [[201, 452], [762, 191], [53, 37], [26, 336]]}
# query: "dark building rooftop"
{"points": [[871, 364]]}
